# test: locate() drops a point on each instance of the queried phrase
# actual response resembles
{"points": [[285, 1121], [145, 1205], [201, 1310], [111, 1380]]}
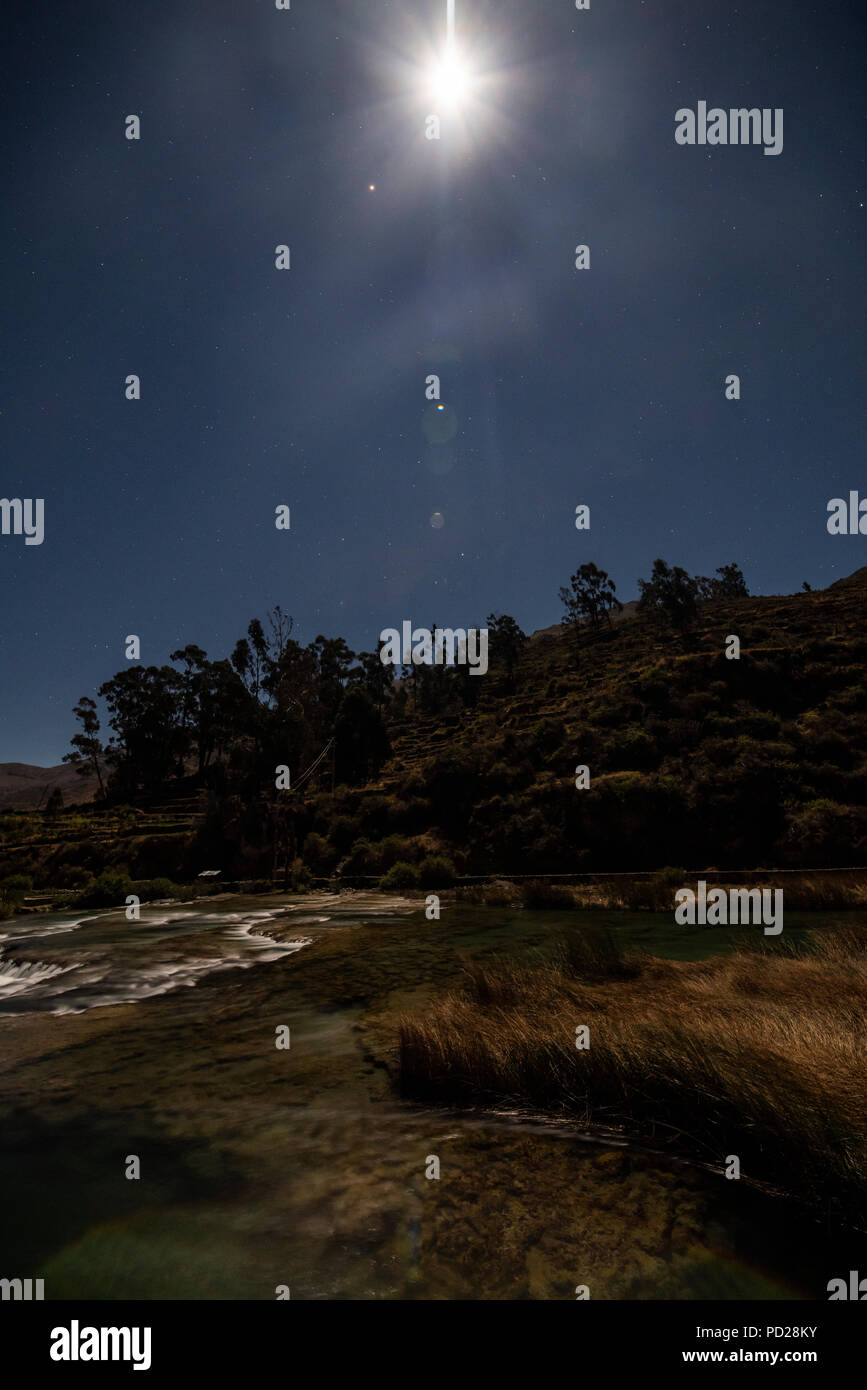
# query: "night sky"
{"points": [[306, 387]]}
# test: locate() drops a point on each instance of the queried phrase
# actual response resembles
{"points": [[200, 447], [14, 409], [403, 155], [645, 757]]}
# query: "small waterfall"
{"points": [[17, 977]]}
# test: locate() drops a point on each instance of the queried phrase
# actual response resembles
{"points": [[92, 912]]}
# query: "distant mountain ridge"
{"points": [[23, 786], [628, 610]]}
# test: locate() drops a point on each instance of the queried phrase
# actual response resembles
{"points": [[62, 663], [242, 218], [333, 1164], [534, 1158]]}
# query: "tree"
{"points": [[87, 748], [466, 684], [731, 584], [360, 740], [145, 704], [213, 703], [506, 641], [670, 593], [195, 662], [375, 678], [54, 804], [13, 890], [259, 656], [222, 708], [263, 663], [589, 599], [435, 684], [281, 626], [242, 662], [294, 684], [333, 660]]}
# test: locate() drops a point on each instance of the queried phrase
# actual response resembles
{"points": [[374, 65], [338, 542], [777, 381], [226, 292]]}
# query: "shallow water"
{"points": [[69, 962], [302, 1167]]}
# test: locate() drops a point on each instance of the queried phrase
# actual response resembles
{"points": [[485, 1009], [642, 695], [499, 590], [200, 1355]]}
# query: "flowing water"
{"points": [[265, 1166]]}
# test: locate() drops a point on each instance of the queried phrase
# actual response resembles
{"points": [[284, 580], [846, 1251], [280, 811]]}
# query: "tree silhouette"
{"points": [[507, 641], [588, 600], [671, 594], [86, 745], [731, 584]]}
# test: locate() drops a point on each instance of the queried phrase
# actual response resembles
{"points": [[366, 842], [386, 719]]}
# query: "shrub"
{"points": [[300, 877], [344, 830], [362, 858], [16, 885], [319, 855], [436, 871], [393, 850], [653, 894], [159, 888], [12, 890], [546, 738], [110, 889], [634, 750], [76, 877], [400, 876], [374, 814], [256, 885], [539, 893]]}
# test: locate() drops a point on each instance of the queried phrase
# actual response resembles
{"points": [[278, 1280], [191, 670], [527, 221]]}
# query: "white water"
{"points": [[67, 964], [16, 977]]}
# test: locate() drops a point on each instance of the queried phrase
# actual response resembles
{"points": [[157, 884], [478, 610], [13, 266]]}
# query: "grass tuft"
{"points": [[758, 1053]]}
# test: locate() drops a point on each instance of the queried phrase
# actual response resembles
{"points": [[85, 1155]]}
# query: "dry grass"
{"points": [[499, 893], [759, 1053], [805, 892]]}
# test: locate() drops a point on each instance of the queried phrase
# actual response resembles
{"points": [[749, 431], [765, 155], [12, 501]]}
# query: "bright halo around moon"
{"points": [[451, 80]]}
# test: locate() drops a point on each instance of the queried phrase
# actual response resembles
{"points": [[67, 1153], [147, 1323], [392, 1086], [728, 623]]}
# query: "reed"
{"points": [[758, 1053]]}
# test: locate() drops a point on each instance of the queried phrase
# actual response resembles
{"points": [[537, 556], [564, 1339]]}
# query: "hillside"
{"points": [[22, 785], [694, 760]]}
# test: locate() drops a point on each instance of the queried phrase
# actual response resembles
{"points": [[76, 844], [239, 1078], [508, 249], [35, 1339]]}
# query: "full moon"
{"points": [[451, 79]]}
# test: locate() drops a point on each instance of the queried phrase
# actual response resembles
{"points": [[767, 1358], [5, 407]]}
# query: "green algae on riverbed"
{"points": [[303, 1167]]}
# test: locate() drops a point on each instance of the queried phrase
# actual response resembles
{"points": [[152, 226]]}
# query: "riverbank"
{"points": [[306, 1166], [804, 890], [756, 1054], [807, 890]]}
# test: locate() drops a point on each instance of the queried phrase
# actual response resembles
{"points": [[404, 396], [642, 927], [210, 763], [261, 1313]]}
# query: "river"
{"points": [[301, 1167]]}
